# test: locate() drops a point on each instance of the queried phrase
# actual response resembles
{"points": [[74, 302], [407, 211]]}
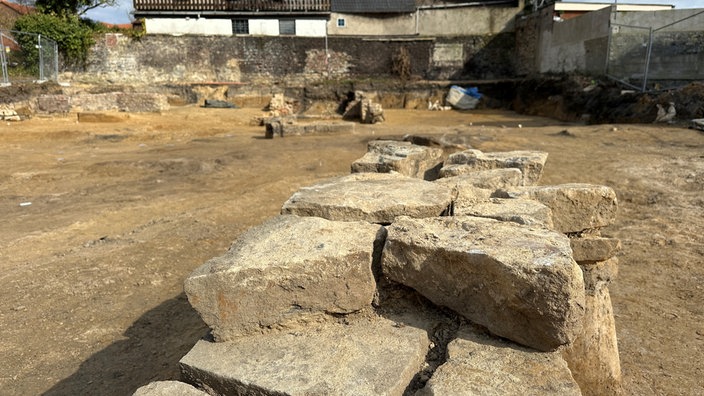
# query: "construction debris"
{"points": [[364, 109]]}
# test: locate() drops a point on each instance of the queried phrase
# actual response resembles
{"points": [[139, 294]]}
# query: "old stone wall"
{"points": [[156, 59]]}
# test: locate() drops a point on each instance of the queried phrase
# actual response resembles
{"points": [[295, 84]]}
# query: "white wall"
{"points": [[311, 27], [264, 27], [200, 26]]}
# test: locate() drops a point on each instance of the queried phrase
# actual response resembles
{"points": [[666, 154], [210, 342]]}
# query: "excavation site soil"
{"points": [[102, 222]]}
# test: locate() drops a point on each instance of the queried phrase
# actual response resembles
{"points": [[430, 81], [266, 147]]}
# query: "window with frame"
{"points": [[287, 27], [341, 22], [240, 26]]}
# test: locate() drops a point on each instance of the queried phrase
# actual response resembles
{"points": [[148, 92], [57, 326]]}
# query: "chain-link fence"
{"points": [[27, 57], [657, 57]]}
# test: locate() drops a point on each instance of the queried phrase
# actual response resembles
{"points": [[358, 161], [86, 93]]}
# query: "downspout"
{"points": [[417, 22]]}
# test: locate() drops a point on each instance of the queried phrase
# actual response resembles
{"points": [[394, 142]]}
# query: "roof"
{"points": [[585, 7], [373, 6], [18, 8]]}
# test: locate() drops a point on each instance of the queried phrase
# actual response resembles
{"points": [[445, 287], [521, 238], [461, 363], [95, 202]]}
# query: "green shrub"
{"points": [[73, 35]]}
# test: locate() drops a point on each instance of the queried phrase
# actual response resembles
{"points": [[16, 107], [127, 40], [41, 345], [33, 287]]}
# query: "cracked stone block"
{"points": [[482, 365], [590, 249], [576, 207], [518, 281], [373, 197], [372, 356], [530, 163], [521, 211], [384, 156], [289, 269]]}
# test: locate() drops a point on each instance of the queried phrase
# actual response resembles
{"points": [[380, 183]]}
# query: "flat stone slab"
{"points": [[576, 207], [375, 356], [521, 211], [518, 281], [530, 163], [593, 249], [372, 197], [406, 158], [491, 179], [286, 270], [486, 366], [168, 388]]}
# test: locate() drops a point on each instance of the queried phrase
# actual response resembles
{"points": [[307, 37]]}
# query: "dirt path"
{"points": [[91, 271]]}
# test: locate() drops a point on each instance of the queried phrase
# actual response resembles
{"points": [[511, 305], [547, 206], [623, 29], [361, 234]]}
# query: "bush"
{"points": [[73, 35]]}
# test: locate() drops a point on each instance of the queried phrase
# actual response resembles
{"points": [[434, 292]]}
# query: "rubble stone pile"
{"points": [[388, 282]]}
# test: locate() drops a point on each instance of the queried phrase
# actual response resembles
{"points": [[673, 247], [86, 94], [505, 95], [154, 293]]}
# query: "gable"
{"points": [[373, 6]]}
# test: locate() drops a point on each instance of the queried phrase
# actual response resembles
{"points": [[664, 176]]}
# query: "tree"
{"points": [[71, 7], [73, 35]]}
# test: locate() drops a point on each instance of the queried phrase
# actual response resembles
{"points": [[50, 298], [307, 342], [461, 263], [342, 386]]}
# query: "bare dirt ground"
{"points": [[91, 271]]}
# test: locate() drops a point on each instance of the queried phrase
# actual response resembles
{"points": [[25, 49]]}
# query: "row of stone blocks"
{"points": [[302, 304]]}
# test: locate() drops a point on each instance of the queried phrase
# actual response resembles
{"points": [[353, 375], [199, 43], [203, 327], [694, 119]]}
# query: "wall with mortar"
{"points": [[157, 59]]}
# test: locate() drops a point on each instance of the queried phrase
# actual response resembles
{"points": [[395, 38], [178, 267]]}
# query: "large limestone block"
{"points": [[373, 197], [464, 192], [590, 249], [599, 275], [289, 269], [486, 366], [491, 179], [367, 357], [384, 156], [530, 163], [576, 207], [518, 281], [168, 388], [593, 357], [521, 211]]}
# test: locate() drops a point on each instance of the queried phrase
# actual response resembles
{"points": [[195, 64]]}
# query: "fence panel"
{"points": [[28, 57]]}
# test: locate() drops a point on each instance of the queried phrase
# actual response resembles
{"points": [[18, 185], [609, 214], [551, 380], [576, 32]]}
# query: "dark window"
{"points": [[240, 26], [287, 27], [341, 22]]}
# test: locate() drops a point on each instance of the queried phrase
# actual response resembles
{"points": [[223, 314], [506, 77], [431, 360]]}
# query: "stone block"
{"points": [[376, 356], [287, 270], [593, 249], [521, 211], [576, 208], [519, 282], [492, 179], [593, 357], [53, 104], [168, 388], [486, 366], [373, 197], [530, 163], [599, 275], [143, 102], [384, 156]]}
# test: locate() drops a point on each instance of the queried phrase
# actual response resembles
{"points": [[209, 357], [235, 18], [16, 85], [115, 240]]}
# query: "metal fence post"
{"points": [[41, 58], [3, 59], [647, 60]]}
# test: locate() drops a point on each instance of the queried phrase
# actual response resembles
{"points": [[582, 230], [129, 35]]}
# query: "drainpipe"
{"points": [[417, 17]]}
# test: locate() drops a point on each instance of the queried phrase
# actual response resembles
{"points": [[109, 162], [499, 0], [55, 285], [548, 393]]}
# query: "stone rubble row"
{"points": [[294, 305]]}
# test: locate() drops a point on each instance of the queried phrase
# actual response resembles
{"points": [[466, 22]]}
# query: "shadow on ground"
{"points": [[153, 346]]}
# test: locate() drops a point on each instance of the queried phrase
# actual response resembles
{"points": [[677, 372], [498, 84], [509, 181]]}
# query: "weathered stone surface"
{"points": [[491, 179], [593, 356], [521, 211], [373, 197], [281, 128], [530, 163], [384, 156], [576, 208], [289, 269], [53, 104], [518, 281], [168, 388], [464, 192], [482, 365], [375, 356], [593, 249], [599, 275]]}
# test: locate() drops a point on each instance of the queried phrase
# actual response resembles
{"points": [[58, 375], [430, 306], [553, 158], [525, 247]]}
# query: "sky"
{"points": [[121, 12]]}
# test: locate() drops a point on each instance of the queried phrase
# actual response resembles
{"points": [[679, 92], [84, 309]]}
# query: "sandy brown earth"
{"points": [[91, 271]]}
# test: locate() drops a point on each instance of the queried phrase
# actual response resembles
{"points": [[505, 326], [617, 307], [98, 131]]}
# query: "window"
{"points": [[287, 27], [341, 22], [240, 26]]}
